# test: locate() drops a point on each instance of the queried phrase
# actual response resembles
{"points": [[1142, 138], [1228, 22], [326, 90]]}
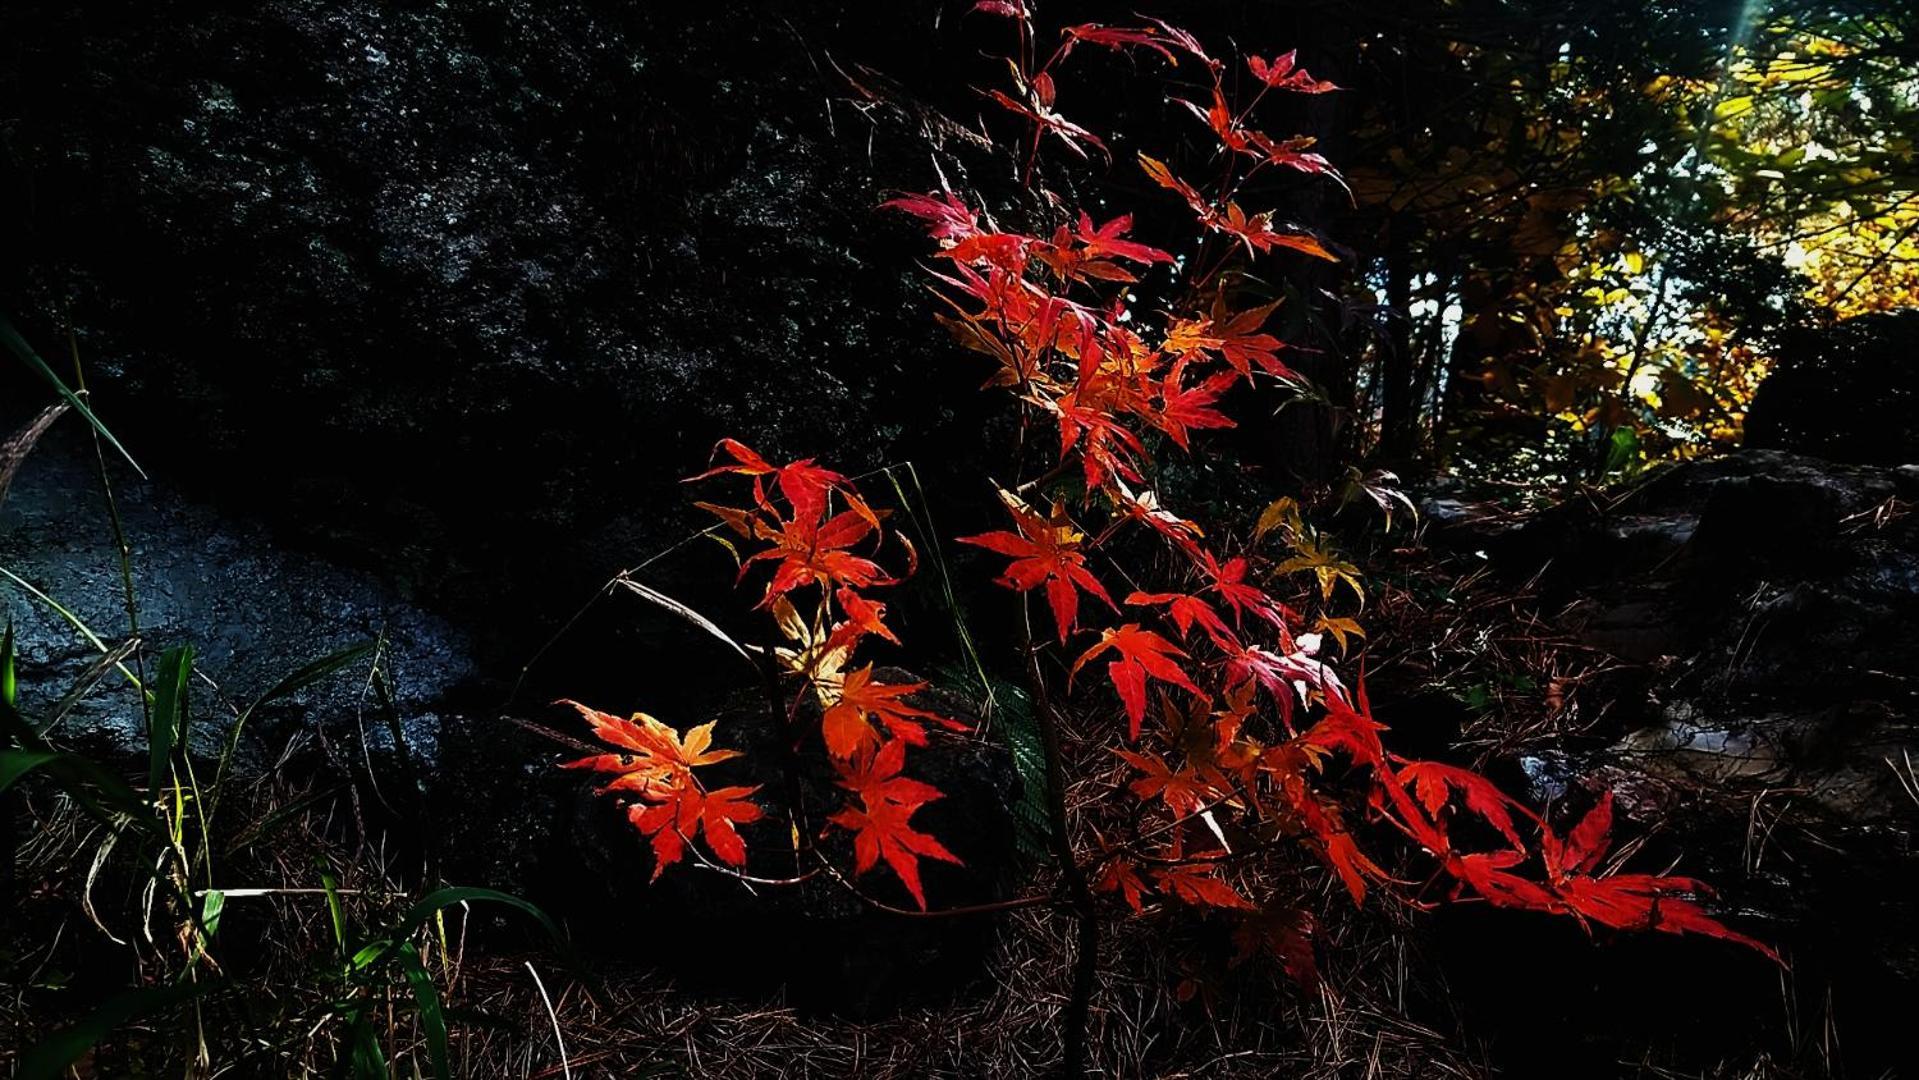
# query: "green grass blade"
{"points": [[72, 620], [431, 904], [432, 1016], [417, 915], [335, 912], [88, 679], [169, 713], [298, 680], [50, 1059], [368, 1060], [211, 905], [25, 352]]}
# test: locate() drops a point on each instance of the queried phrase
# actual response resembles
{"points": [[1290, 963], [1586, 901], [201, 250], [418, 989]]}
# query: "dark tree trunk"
{"points": [[1396, 366]]}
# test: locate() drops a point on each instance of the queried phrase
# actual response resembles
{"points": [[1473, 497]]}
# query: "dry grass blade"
{"points": [[16, 448], [657, 597]]}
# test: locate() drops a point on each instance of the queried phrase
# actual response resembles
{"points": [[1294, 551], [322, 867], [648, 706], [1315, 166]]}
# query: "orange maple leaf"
{"points": [[657, 765], [847, 725]]}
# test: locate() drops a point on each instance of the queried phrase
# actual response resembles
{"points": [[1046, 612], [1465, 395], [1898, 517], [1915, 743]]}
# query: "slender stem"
{"points": [[1079, 894]]}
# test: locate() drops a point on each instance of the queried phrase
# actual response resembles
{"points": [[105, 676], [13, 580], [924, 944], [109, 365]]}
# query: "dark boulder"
{"points": [[1849, 392], [459, 292], [1753, 623]]}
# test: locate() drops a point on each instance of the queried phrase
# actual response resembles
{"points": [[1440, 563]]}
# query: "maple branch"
{"points": [[1015, 904], [1086, 948], [1062, 468]]}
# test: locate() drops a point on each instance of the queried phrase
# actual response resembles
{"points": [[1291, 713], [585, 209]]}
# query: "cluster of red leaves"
{"points": [[820, 536], [1249, 760], [1264, 746]]}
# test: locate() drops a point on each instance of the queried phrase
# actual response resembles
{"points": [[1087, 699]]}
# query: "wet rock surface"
{"points": [[253, 611]]}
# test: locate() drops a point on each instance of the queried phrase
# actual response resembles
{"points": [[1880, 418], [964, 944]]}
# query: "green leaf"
{"points": [[15, 764], [9, 683], [432, 1016], [72, 620], [417, 915], [99, 791], [370, 954], [1732, 107], [50, 1059], [300, 679], [211, 905], [32, 359]]}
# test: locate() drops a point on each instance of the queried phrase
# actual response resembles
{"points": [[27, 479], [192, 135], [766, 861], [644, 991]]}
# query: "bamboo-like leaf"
{"points": [[87, 681], [432, 1016], [50, 1059], [15, 764], [9, 683], [294, 682]]}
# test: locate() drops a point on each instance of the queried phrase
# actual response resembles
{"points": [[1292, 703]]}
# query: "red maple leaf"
{"points": [[1115, 37], [653, 755], [863, 617], [1580, 851], [657, 766], [805, 484], [1229, 581], [1220, 118], [1164, 177], [946, 216], [1106, 240], [1433, 784], [1142, 655], [1182, 790], [811, 552], [1284, 934], [1184, 408], [1045, 552], [1236, 338], [1284, 73], [1186, 612], [1041, 113], [1259, 235], [1144, 507], [881, 824], [1120, 875], [1199, 884]]}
